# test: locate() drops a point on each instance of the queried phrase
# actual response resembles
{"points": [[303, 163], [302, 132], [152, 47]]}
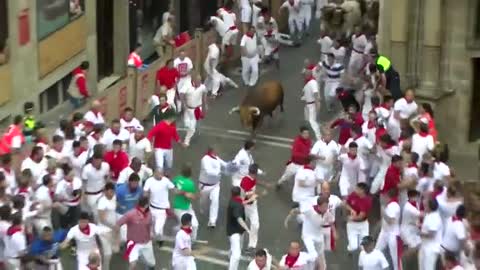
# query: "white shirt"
{"points": [[374, 260], [339, 53], [194, 95], [392, 211], [410, 218], [302, 263], [350, 168], [253, 265], [108, 206], [440, 171], [329, 151], [405, 109], [10, 179], [383, 115], [130, 125], [447, 208], [359, 43], [310, 89], [455, 233], [425, 184], [183, 66], [219, 26], [333, 72], [243, 160], [422, 145], [386, 155], [137, 149], [211, 169], [42, 195], [85, 243], [313, 223], [78, 162], [94, 118], [183, 241], [325, 44], [159, 191], [293, 10], [250, 45], [37, 169], [4, 225], [432, 223], [15, 245], [58, 156], [108, 137], [213, 57], [163, 32], [229, 18], [95, 179], [307, 177], [144, 173], [64, 190], [363, 150]]}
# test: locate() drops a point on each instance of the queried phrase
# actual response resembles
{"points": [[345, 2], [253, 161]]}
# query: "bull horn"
{"points": [[234, 109], [255, 110]]}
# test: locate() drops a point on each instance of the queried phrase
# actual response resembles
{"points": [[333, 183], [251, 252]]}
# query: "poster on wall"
{"points": [[52, 15]]}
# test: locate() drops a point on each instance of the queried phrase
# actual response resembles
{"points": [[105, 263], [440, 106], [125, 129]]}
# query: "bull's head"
{"points": [[247, 114]]}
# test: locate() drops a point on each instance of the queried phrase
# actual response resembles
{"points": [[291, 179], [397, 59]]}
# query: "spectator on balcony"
{"points": [[134, 59], [78, 90], [164, 36]]}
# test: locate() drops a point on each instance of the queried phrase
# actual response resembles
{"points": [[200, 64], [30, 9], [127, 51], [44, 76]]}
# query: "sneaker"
{"points": [[211, 225]]}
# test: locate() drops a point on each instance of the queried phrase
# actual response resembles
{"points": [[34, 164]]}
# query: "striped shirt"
{"points": [[333, 72]]}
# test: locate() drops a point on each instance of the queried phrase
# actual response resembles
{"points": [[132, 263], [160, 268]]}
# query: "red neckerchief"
{"points": [[14, 229], [51, 193], [394, 199], [115, 132], [408, 101], [80, 152], [96, 112], [352, 157], [96, 135], [370, 124], [388, 146], [7, 170], [456, 218], [237, 199], [308, 167], [423, 134], [317, 209], [437, 192], [413, 203], [85, 230], [269, 33], [386, 106], [311, 67], [249, 34], [309, 78], [187, 230], [92, 267], [358, 137], [291, 260], [23, 190], [211, 154], [413, 165], [142, 212], [227, 10], [164, 106]]}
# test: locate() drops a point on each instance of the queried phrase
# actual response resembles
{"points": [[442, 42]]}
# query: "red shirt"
{"points": [[300, 150], [345, 128], [117, 161], [167, 77], [139, 225], [392, 179], [81, 82], [359, 204], [163, 133], [248, 183]]}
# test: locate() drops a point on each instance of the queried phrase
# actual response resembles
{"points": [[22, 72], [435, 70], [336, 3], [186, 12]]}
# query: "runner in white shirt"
{"points": [[250, 57], [371, 258], [305, 184], [403, 109], [409, 230], [245, 14], [386, 149], [325, 151], [8, 173], [338, 51], [242, 162], [422, 143], [431, 233], [68, 192], [184, 65], [389, 236], [44, 196], [107, 204], [262, 261], [115, 132], [84, 234], [5, 212], [139, 146], [333, 72], [58, 150], [306, 14], [295, 24], [136, 166], [359, 41], [211, 168], [455, 236], [365, 147], [182, 257], [295, 258], [36, 163], [78, 158], [230, 20], [350, 170], [219, 26], [95, 175], [325, 43], [195, 102], [94, 116], [212, 82], [311, 97], [128, 121], [157, 189], [15, 241]]}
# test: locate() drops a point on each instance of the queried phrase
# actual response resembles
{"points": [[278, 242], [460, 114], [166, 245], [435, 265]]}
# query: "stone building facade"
{"points": [[435, 45]]}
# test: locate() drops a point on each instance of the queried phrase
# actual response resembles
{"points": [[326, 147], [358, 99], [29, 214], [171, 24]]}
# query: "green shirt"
{"points": [[184, 184]]}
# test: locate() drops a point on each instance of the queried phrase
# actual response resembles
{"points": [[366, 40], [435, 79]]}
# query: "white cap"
{"points": [[139, 128]]}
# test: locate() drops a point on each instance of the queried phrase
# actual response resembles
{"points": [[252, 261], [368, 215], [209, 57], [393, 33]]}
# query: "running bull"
{"points": [[260, 102]]}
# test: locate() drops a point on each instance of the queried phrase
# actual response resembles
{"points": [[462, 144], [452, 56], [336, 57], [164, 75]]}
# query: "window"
{"points": [[55, 94], [3, 32], [145, 19], [53, 15]]}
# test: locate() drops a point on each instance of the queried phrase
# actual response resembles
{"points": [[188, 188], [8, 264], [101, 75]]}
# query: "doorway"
{"points": [[474, 133], [105, 38]]}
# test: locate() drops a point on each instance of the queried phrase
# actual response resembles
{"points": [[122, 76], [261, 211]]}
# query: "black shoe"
{"points": [[160, 243]]}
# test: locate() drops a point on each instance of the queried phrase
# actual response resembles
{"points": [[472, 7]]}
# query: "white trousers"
{"points": [[329, 239], [410, 235], [427, 258], [378, 180], [123, 230], [108, 241], [179, 213], [310, 113], [290, 170], [230, 37], [250, 70], [251, 214], [330, 92], [355, 62], [92, 201], [323, 174], [346, 186], [246, 14], [171, 97], [143, 251], [212, 82], [316, 249], [355, 233], [306, 15], [13, 264], [163, 159], [159, 219], [394, 245], [295, 25], [210, 194], [235, 250], [187, 263], [190, 124]]}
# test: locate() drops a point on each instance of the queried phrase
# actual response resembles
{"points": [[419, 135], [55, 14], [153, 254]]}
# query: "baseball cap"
{"points": [[367, 240], [139, 128]]}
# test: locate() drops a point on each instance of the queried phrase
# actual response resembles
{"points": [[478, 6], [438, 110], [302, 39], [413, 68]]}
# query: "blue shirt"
{"points": [[49, 249], [126, 199]]}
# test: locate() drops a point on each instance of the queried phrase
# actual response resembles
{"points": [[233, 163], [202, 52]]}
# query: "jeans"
{"points": [[76, 102]]}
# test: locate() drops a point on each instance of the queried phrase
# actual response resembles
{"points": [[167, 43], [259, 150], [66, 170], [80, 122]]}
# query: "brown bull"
{"points": [[258, 103]]}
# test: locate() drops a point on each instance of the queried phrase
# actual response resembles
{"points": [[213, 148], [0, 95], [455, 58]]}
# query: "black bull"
{"points": [[260, 102]]}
